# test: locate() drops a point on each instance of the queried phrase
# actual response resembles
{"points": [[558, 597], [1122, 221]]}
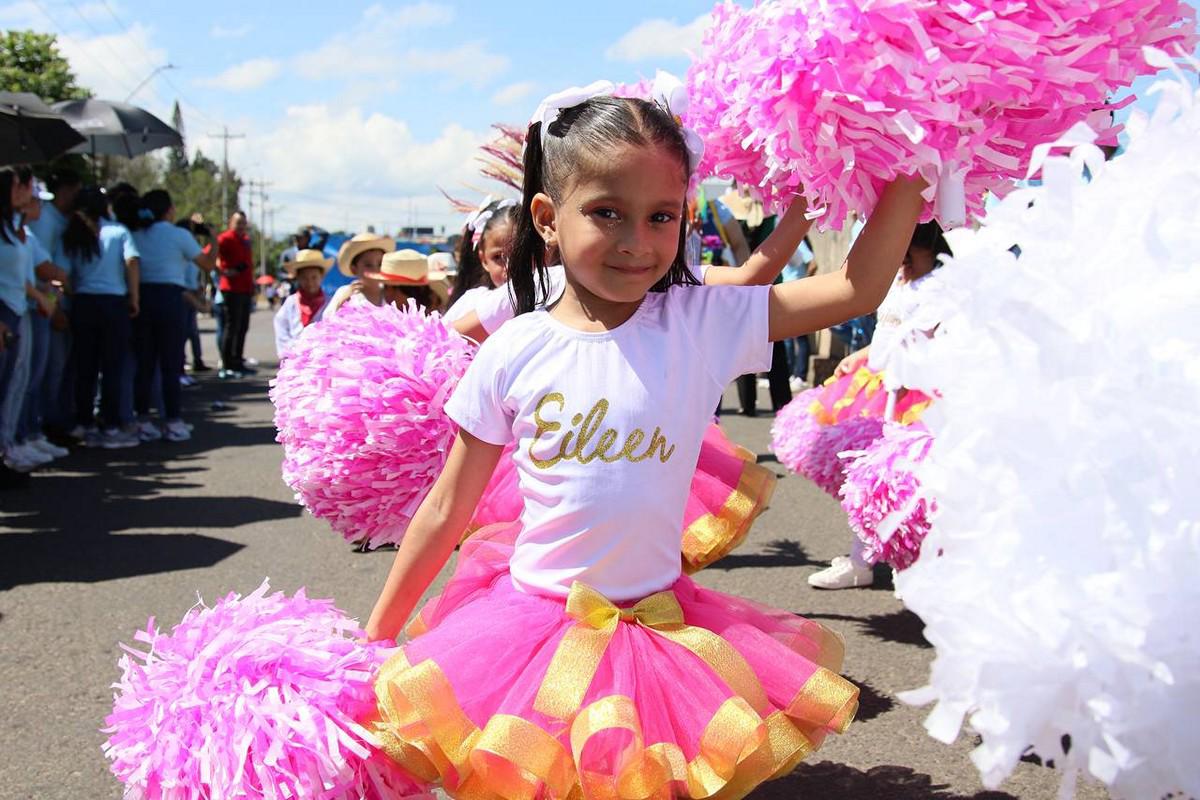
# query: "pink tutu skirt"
{"points": [[688, 693], [729, 490]]}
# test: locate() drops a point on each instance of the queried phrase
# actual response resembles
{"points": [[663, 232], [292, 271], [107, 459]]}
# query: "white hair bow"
{"points": [[549, 109], [670, 93], [474, 215], [479, 219]]}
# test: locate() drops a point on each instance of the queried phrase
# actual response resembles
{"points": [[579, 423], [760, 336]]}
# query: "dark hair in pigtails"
{"points": [[527, 264], [583, 138], [8, 176]]}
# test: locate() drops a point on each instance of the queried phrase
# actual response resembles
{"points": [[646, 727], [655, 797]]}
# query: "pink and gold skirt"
{"points": [[729, 490], [688, 693]]}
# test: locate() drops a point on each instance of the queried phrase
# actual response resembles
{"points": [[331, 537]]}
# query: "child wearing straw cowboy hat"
{"points": [[304, 306], [358, 255], [406, 275]]}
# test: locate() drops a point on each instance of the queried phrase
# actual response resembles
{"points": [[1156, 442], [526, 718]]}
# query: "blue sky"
{"points": [[356, 111]]}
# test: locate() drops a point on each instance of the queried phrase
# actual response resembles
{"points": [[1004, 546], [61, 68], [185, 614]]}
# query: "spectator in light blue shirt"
{"points": [[103, 262], [168, 256], [16, 257]]}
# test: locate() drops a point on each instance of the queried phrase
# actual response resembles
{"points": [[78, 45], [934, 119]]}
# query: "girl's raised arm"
{"points": [[813, 303], [435, 529], [769, 258]]}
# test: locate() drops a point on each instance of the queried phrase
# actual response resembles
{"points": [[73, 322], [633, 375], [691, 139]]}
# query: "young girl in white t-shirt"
{"points": [[568, 657], [482, 256]]}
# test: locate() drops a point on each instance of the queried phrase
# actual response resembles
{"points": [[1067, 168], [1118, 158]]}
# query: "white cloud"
{"points": [[245, 76], [221, 32], [468, 63], [513, 93], [112, 65], [370, 46], [350, 168], [658, 38]]}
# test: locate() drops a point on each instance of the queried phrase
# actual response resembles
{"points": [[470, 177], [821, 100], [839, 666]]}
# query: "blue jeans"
{"points": [[18, 382], [58, 395], [101, 333], [159, 334], [8, 356], [30, 423], [799, 351]]}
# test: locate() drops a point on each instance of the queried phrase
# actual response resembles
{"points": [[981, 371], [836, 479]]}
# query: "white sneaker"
{"points": [[187, 380], [178, 431], [89, 436], [43, 444], [797, 385], [764, 383], [117, 439], [18, 460], [147, 431], [27, 453], [842, 574]]}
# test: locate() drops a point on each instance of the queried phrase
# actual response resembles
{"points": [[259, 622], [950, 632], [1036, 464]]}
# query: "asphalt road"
{"points": [[107, 539]]}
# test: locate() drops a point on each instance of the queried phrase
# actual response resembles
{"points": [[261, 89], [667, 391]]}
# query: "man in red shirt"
{"points": [[236, 264]]}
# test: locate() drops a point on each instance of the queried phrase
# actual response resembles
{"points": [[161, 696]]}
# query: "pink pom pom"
{"points": [[359, 405], [256, 697], [881, 495], [810, 449], [832, 99]]}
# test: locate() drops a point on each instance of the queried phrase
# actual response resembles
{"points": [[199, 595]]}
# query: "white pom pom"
{"points": [[1066, 468]]}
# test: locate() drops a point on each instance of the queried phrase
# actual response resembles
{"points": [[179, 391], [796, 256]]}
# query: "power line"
{"points": [[225, 136], [62, 32]]}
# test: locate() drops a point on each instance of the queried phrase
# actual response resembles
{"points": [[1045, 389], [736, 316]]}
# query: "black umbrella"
{"points": [[31, 131], [117, 129]]}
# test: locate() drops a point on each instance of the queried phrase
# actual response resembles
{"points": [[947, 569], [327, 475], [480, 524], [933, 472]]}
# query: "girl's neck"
{"points": [[580, 309]]}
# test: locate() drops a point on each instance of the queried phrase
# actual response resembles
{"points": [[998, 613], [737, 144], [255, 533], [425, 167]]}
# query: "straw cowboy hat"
{"points": [[410, 268], [351, 248], [306, 259]]}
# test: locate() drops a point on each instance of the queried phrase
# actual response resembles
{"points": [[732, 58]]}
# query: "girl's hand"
{"points": [[134, 306], [849, 364]]}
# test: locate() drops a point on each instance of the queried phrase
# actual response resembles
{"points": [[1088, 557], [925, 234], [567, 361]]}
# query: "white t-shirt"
{"points": [[608, 429], [469, 301], [496, 307]]}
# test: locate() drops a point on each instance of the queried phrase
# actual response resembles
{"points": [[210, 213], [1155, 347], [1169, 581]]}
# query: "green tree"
{"points": [[197, 189], [30, 62]]}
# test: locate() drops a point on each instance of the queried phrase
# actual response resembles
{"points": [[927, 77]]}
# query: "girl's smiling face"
{"points": [[493, 252], [617, 227]]}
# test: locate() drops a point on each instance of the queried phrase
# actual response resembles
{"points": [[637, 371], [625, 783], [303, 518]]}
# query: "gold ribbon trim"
{"points": [[581, 650], [713, 536]]}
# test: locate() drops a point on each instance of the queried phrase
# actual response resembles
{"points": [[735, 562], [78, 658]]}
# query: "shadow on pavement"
{"points": [[827, 779], [871, 703], [27, 558], [780, 553], [66, 526], [901, 627]]}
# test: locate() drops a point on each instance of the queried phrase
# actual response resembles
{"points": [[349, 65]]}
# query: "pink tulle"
{"points": [[501, 500], [881, 495], [359, 405], [494, 644], [832, 99], [808, 448], [256, 697]]}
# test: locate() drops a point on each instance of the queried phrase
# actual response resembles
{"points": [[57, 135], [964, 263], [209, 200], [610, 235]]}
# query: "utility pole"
{"points": [[225, 136], [260, 188]]}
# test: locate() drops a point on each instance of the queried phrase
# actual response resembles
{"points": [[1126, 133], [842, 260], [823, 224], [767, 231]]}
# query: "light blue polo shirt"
{"points": [[16, 265], [49, 228], [167, 253], [105, 274]]}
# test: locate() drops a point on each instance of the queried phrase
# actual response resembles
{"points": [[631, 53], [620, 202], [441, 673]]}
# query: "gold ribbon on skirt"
{"points": [[581, 650]]}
